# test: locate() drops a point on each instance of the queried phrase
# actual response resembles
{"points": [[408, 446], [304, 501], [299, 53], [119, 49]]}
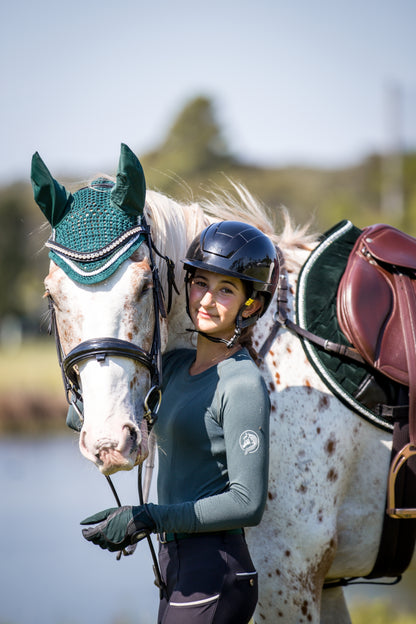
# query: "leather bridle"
{"points": [[100, 348]]}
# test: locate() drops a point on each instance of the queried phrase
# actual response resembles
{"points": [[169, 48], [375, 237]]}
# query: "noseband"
{"points": [[100, 348]]}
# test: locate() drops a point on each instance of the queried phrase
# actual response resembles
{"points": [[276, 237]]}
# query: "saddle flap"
{"points": [[387, 244]]}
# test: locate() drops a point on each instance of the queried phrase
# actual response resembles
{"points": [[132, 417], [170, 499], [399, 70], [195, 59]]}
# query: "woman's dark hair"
{"points": [[246, 341]]}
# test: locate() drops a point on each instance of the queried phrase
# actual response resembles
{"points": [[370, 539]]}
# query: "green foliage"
{"points": [[380, 612]]}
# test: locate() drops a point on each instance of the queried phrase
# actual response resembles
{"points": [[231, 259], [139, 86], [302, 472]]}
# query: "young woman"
{"points": [[213, 438]]}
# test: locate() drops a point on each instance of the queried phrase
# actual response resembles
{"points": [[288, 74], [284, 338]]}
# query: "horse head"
{"points": [[105, 303]]}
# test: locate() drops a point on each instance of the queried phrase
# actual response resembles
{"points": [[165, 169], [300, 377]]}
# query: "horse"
{"points": [[328, 466]]}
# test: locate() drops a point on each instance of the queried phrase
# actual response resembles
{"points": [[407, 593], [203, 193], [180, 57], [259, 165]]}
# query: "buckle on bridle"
{"points": [[150, 413]]}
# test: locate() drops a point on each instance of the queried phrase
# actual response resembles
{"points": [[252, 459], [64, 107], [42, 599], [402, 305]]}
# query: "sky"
{"points": [[315, 82]]}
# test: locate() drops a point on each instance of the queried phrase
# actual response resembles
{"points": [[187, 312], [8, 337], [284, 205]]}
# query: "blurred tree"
{"points": [[20, 278], [194, 147]]}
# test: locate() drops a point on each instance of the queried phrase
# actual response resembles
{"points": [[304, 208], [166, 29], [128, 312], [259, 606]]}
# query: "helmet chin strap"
{"points": [[240, 323], [230, 343]]}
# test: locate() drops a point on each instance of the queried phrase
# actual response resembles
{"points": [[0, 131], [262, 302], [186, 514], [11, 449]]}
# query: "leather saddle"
{"points": [[376, 310]]}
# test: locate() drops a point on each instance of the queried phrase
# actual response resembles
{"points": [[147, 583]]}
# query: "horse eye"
{"points": [[147, 285]]}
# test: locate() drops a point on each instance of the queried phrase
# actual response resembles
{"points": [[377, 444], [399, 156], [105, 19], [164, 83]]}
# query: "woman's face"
{"points": [[214, 302]]}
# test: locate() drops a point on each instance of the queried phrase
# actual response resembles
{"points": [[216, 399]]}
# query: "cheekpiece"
{"points": [[94, 237]]}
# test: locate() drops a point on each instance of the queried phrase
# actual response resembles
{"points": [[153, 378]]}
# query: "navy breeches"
{"points": [[210, 579]]}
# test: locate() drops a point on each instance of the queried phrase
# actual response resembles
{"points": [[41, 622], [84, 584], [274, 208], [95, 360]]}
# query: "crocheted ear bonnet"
{"points": [[98, 227]]}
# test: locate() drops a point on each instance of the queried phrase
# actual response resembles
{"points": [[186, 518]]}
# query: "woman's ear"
{"points": [[251, 306]]}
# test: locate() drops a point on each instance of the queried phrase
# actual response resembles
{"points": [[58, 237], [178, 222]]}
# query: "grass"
{"points": [[379, 612], [31, 367], [32, 397]]}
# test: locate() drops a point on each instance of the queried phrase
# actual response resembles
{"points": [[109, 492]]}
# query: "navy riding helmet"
{"points": [[242, 251]]}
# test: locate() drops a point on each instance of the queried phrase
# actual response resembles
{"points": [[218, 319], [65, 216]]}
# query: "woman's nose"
{"points": [[207, 298]]}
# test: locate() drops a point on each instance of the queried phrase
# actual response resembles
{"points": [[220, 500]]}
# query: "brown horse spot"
{"points": [[287, 553], [273, 408], [271, 353], [330, 446], [277, 572], [288, 349], [323, 403], [270, 495], [332, 475], [277, 377], [302, 489], [318, 430], [272, 387]]}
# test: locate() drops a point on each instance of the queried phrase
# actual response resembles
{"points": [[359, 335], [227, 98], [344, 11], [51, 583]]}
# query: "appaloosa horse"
{"points": [[111, 243]]}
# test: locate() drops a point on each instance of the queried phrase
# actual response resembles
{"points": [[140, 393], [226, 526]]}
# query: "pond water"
{"points": [[50, 574]]}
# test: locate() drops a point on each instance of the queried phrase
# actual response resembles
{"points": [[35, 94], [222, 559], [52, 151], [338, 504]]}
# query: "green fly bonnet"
{"points": [[95, 229]]}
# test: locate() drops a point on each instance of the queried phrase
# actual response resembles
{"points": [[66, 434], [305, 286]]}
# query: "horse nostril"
{"points": [[133, 436]]}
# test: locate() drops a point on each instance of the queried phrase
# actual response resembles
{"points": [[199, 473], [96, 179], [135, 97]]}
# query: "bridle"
{"points": [[101, 348]]}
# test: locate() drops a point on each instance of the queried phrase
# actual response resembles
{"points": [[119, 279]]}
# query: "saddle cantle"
{"points": [[376, 304]]}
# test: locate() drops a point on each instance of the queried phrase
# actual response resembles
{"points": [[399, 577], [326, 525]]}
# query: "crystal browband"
{"points": [[93, 256]]}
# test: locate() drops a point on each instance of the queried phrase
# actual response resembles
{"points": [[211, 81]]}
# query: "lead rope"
{"points": [[156, 570], [158, 577]]}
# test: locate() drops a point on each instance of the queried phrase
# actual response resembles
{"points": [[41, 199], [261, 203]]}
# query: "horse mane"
{"points": [[240, 205], [173, 227]]}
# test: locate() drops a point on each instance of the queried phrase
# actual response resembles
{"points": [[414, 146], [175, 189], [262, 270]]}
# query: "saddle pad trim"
{"points": [[311, 352]]}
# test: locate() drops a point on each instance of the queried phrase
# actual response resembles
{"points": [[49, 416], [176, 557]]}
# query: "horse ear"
{"points": [[129, 192], [51, 197]]}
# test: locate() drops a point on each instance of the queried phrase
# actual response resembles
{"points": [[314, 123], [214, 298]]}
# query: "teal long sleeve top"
{"points": [[213, 445]]}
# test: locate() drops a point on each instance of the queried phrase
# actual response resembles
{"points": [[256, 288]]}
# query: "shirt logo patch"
{"points": [[249, 441]]}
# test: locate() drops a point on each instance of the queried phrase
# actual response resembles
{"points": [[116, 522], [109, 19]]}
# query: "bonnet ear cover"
{"points": [[129, 192], [52, 198]]}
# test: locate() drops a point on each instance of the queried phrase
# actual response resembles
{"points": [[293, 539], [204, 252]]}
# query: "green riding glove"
{"points": [[118, 527]]}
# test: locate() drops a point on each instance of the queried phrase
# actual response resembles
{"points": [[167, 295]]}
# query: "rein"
{"points": [[100, 348]]}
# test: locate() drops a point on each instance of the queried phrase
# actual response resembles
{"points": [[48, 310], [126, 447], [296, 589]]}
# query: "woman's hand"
{"points": [[118, 527]]}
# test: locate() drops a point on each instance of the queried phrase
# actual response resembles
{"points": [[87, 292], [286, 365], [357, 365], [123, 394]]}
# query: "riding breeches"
{"points": [[210, 579]]}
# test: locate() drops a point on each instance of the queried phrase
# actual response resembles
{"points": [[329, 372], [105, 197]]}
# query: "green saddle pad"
{"points": [[316, 311]]}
